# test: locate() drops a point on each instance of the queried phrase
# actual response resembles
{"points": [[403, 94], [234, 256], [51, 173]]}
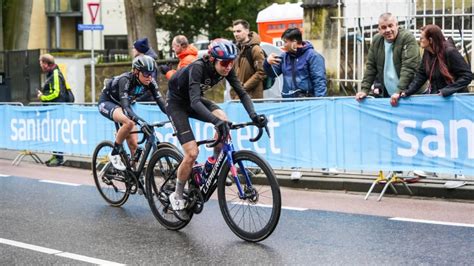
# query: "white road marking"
{"points": [[4, 175], [87, 259], [60, 183], [429, 222], [57, 252], [28, 246], [270, 206]]}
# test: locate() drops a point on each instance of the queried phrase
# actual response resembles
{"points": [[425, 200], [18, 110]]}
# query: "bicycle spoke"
{"points": [[109, 182], [257, 214], [161, 175]]}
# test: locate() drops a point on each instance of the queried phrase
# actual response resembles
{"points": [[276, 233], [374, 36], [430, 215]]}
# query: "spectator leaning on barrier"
{"points": [[392, 59], [53, 90], [249, 64], [441, 65], [184, 51], [303, 69]]}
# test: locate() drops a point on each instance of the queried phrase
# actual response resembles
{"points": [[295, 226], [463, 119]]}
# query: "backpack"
{"points": [[267, 81], [70, 96]]}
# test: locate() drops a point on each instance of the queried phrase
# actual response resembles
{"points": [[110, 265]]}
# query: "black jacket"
{"points": [[187, 86], [125, 89], [54, 88], [457, 66]]}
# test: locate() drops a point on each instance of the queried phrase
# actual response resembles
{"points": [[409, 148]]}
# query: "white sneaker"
{"points": [[179, 207], [117, 162]]}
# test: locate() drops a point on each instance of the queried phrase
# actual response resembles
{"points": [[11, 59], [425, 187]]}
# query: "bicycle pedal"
{"points": [[107, 181]]}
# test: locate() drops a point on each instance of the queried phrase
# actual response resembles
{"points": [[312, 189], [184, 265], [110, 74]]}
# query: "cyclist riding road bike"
{"points": [[117, 98], [185, 99]]}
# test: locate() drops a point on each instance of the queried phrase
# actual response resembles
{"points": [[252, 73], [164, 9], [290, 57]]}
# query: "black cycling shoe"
{"points": [[182, 215]]}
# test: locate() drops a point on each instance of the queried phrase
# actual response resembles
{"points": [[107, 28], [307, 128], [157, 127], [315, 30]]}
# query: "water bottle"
{"points": [[208, 167], [197, 174], [138, 153]]}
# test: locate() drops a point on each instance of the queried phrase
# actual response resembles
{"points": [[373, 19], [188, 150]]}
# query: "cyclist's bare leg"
{"points": [[222, 116], [122, 134], [191, 151], [126, 128], [132, 141]]}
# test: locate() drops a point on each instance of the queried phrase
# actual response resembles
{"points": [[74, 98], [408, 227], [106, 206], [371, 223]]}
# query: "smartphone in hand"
{"points": [[278, 58]]}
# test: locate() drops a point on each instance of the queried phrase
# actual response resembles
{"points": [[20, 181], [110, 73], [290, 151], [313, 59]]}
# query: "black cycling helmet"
{"points": [[144, 63], [223, 49]]}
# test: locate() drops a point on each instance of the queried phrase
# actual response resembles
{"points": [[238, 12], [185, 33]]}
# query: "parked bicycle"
{"points": [[115, 186], [250, 205]]}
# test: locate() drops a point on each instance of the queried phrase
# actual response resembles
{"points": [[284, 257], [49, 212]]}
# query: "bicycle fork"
{"points": [[228, 149]]}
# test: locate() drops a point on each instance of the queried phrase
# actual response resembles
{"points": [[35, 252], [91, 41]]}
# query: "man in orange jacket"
{"points": [[185, 52]]}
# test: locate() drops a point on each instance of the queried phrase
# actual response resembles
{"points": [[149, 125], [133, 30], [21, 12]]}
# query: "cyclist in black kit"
{"points": [[185, 99], [117, 97]]}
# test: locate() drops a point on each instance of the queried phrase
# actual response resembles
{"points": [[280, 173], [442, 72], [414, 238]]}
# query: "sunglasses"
{"points": [[226, 63], [146, 74]]}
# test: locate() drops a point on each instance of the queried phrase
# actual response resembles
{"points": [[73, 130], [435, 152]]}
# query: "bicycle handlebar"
{"points": [[148, 129], [213, 142]]}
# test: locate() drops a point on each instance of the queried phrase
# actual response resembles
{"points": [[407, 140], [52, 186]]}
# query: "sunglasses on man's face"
{"points": [[225, 63], [146, 74]]}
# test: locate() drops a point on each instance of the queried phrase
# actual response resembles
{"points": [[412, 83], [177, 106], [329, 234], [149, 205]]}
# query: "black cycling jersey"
{"points": [[187, 86], [126, 88]]}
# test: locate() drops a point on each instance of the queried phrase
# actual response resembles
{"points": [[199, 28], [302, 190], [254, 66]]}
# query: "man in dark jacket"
{"points": [[249, 64], [53, 90], [303, 69], [392, 60]]}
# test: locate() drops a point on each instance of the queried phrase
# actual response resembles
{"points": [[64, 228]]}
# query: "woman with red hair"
{"points": [[442, 66]]}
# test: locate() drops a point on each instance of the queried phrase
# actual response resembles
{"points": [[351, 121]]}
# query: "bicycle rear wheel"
{"points": [[160, 183], [254, 217], [109, 181]]}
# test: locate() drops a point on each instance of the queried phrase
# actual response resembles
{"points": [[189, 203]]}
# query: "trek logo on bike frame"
{"points": [[216, 167]]}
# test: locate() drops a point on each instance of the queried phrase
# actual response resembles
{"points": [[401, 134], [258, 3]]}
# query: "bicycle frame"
{"points": [[226, 155], [151, 144]]}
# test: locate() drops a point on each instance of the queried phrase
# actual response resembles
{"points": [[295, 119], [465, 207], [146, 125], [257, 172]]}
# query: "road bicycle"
{"points": [[251, 205], [115, 186]]}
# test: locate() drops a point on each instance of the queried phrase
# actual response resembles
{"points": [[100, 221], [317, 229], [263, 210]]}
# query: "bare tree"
{"points": [[141, 21]]}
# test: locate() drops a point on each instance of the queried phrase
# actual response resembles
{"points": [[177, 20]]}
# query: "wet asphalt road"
{"points": [[77, 220]]}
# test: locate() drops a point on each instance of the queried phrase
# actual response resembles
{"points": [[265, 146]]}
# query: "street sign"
{"points": [[90, 26], [93, 12]]}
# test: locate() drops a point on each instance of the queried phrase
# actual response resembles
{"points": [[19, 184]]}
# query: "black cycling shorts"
{"points": [[107, 107], [180, 113]]}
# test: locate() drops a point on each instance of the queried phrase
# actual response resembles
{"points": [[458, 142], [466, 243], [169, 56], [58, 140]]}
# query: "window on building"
{"points": [[115, 42]]}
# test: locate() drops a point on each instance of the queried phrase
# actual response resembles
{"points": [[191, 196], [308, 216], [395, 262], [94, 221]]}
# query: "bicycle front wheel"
{"points": [[109, 181], [160, 183], [254, 216]]}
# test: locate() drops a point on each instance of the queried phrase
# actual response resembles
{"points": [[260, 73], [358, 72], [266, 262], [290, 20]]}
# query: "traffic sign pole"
{"points": [[91, 6], [92, 69]]}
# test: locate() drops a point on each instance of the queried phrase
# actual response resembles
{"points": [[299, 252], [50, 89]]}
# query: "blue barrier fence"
{"points": [[426, 132]]}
